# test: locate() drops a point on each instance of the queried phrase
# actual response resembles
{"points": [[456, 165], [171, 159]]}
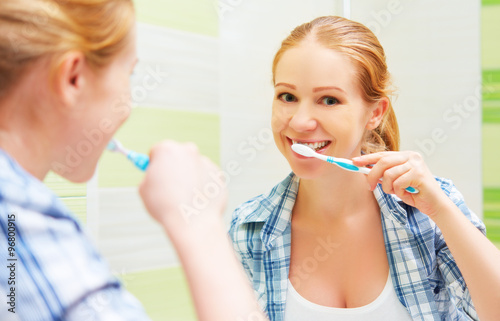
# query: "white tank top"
{"points": [[386, 307]]}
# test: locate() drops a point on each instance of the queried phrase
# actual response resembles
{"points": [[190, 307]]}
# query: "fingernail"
{"points": [[369, 187], [356, 159]]}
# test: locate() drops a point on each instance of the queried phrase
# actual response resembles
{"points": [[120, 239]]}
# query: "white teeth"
{"points": [[315, 146]]}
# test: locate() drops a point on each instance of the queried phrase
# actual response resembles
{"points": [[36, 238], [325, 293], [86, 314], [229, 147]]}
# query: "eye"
{"points": [[287, 98], [329, 101]]}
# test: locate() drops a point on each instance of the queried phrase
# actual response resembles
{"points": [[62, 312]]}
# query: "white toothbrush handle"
{"points": [[364, 170]]}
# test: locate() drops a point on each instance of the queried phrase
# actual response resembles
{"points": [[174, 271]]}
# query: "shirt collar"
{"points": [[391, 206], [275, 209], [270, 202]]}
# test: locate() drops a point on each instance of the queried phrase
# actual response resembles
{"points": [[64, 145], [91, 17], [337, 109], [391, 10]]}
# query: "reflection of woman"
{"points": [[321, 245], [64, 78]]}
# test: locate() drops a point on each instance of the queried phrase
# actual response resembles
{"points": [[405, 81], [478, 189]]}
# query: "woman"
{"points": [[325, 245], [64, 75]]}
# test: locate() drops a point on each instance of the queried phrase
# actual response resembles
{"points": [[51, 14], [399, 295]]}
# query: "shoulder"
{"points": [[53, 251], [20, 189], [252, 214], [259, 208]]}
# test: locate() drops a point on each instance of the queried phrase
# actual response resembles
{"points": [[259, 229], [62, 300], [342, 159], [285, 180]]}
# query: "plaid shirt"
{"points": [[57, 273], [424, 273]]}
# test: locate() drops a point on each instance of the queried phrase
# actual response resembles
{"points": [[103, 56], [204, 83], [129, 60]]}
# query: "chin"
{"points": [[80, 178], [308, 172], [77, 175]]}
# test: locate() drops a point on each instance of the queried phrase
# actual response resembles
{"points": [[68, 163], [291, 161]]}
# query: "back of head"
{"points": [[35, 29], [362, 47]]}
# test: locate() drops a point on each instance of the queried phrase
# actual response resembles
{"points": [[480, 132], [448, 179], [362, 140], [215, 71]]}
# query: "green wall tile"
{"points": [[148, 126], [198, 16], [78, 206], [73, 195], [491, 96], [490, 31], [491, 155], [490, 2], [164, 294], [492, 214], [64, 188]]}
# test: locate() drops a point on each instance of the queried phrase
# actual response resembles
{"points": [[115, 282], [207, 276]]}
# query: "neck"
{"points": [[24, 138], [339, 196]]}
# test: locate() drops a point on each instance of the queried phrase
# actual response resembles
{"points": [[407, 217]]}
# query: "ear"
{"points": [[377, 113], [69, 78]]}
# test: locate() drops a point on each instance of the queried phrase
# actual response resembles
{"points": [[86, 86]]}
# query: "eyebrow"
{"points": [[314, 89], [285, 85], [327, 88]]}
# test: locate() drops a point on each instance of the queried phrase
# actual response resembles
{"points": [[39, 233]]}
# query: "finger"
{"points": [[369, 158], [400, 185], [387, 161], [391, 175], [142, 188], [160, 147]]}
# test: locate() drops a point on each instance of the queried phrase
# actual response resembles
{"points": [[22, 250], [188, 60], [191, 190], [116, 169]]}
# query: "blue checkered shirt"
{"points": [[57, 272], [423, 271]]}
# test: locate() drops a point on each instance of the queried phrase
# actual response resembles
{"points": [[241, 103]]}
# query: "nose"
{"points": [[303, 119]]}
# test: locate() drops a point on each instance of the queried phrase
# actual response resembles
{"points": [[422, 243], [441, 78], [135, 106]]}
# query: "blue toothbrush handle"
{"points": [[141, 161], [412, 190]]}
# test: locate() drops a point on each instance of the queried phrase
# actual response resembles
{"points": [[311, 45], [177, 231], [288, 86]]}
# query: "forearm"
{"points": [[220, 289], [477, 258]]}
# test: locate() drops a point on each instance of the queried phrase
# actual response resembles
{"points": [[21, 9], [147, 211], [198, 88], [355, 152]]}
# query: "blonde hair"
{"points": [[363, 48], [33, 29]]}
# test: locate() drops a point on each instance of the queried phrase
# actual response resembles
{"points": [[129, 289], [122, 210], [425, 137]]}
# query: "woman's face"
{"points": [[103, 108], [318, 102]]}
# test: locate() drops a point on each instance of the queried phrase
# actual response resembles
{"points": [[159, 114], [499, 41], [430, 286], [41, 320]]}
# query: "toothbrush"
{"points": [[341, 162], [141, 161]]}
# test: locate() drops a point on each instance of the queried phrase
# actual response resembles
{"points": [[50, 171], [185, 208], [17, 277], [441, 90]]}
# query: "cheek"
{"points": [[279, 120], [121, 108]]}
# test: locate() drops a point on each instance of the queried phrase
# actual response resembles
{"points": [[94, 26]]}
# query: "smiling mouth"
{"points": [[316, 145]]}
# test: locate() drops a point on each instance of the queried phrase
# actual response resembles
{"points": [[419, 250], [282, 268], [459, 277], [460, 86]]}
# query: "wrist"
{"points": [[191, 232], [446, 210]]}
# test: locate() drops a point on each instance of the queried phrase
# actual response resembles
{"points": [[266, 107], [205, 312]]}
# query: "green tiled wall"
{"points": [[147, 126], [73, 195], [197, 16], [490, 2], [164, 294], [490, 48], [492, 214]]}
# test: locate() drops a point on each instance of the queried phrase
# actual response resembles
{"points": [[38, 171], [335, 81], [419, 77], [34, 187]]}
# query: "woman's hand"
{"points": [[399, 170], [476, 257], [186, 193], [182, 189]]}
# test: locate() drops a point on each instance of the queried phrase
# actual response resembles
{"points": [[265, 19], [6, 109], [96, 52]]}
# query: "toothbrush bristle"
{"points": [[111, 145], [115, 146], [303, 150]]}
